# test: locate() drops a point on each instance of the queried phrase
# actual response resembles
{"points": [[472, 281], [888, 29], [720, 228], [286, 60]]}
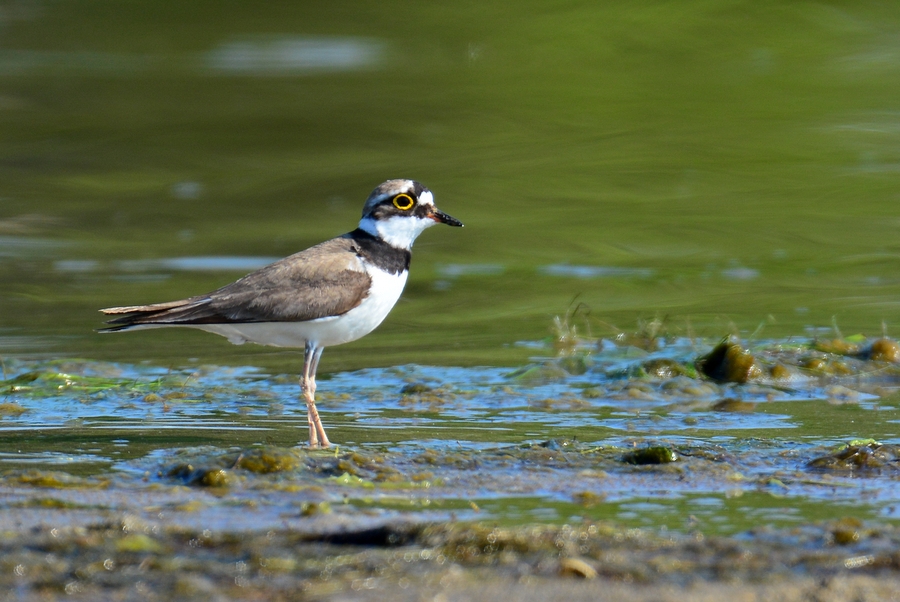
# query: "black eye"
{"points": [[404, 202]]}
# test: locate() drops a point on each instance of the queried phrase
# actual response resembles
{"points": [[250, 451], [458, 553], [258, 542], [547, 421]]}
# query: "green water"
{"points": [[737, 163], [717, 165]]}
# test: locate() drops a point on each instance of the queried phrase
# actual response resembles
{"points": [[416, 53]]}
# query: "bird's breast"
{"points": [[383, 295]]}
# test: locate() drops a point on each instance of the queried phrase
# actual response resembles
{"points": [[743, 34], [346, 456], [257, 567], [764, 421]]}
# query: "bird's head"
{"points": [[398, 211]]}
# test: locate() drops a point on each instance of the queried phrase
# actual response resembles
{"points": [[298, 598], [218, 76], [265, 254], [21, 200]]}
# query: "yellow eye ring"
{"points": [[403, 202]]}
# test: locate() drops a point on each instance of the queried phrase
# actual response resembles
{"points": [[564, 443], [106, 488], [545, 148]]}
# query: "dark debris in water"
{"points": [[865, 457]]}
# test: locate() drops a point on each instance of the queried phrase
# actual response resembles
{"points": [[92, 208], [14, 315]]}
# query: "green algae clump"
{"points": [[838, 347], [416, 389], [57, 480], [664, 368], [588, 499], [11, 408], [352, 481], [138, 542], [651, 455], [729, 404], [201, 477], [576, 567], [883, 350], [870, 456], [268, 460], [729, 362], [546, 372]]}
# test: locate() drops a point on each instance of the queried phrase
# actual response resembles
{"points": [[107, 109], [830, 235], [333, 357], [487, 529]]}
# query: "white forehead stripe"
{"points": [[426, 198]]}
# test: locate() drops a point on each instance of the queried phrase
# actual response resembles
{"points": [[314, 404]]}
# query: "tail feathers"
{"points": [[133, 309], [186, 311]]}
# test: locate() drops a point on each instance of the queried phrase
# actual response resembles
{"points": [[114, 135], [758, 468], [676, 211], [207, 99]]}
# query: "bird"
{"points": [[332, 293]]}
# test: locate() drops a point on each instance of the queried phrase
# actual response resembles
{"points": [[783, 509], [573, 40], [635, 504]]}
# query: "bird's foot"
{"points": [[317, 437]]}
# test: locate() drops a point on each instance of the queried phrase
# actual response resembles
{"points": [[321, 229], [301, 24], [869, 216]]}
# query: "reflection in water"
{"points": [[21, 62], [454, 270], [25, 344], [76, 265], [739, 273], [266, 56], [213, 263], [187, 190], [197, 264], [294, 55], [591, 271], [14, 247]]}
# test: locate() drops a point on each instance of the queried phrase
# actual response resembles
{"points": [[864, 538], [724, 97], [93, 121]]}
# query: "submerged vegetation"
{"points": [[608, 457]]}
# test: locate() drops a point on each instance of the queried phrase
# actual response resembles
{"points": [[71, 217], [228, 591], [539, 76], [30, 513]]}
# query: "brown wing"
{"points": [[325, 280]]}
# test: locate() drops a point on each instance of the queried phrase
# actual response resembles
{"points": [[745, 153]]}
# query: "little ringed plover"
{"points": [[332, 293]]}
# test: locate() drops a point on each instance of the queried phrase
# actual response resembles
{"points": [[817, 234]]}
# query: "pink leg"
{"points": [[317, 436]]}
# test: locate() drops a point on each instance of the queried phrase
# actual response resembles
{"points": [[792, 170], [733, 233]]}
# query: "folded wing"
{"points": [[325, 280]]}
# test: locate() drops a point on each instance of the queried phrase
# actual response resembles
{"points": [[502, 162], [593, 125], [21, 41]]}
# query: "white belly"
{"points": [[324, 332]]}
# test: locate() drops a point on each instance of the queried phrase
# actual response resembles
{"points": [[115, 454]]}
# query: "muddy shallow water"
{"points": [[599, 459]]}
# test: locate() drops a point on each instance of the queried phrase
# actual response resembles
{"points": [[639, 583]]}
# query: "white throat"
{"points": [[399, 231]]}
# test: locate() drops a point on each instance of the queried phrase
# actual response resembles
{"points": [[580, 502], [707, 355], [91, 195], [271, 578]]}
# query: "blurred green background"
{"points": [[716, 164]]}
